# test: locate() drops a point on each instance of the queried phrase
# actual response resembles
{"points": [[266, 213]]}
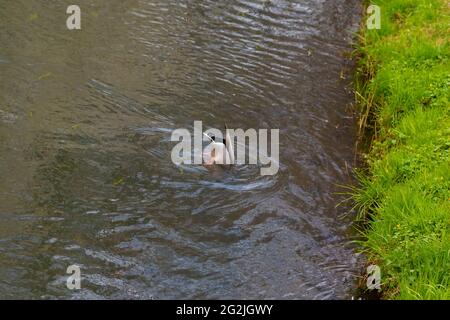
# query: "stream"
{"points": [[86, 176]]}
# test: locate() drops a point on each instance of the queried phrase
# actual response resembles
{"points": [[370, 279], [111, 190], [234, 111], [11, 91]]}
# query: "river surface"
{"points": [[86, 176]]}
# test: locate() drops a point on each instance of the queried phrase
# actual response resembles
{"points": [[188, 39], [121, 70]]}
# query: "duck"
{"points": [[219, 152]]}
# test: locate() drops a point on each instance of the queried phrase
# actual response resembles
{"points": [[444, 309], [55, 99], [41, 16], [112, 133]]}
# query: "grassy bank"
{"points": [[402, 86]]}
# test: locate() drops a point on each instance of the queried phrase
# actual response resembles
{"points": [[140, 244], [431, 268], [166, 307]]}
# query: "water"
{"points": [[86, 175]]}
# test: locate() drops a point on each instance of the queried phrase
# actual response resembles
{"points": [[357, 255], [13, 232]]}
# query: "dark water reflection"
{"points": [[86, 176]]}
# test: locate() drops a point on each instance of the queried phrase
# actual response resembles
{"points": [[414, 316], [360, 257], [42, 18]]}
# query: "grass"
{"points": [[402, 90]]}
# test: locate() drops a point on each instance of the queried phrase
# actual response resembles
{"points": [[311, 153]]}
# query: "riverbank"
{"points": [[402, 90]]}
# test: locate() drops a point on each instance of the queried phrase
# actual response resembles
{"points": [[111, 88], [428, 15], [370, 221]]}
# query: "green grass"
{"points": [[402, 90]]}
